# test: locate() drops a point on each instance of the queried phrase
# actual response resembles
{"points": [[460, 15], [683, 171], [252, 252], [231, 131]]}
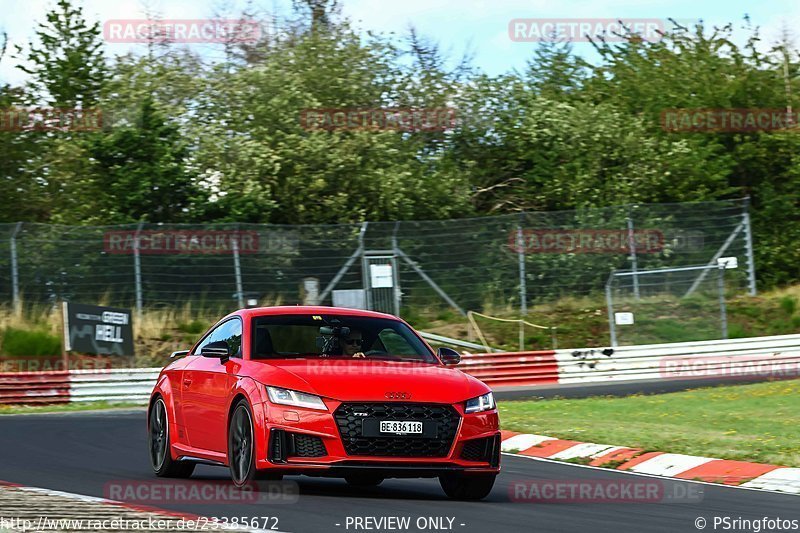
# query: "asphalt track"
{"points": [[82, 452]]}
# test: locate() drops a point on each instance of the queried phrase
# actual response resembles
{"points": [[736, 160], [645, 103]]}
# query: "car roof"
{"points": [[310, 310]]}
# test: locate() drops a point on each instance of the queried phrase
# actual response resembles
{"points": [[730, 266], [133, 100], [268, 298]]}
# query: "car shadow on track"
{"points": [[391, 489]]}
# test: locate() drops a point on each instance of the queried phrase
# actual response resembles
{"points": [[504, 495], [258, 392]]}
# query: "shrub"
{"points": [[22, 342], [788, 304]]}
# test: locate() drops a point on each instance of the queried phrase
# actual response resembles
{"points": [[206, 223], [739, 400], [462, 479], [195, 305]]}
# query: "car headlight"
{"points": [[295, 398], [481, 403]]}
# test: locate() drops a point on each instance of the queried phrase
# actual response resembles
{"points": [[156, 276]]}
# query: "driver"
{"points": [[352, 344]]}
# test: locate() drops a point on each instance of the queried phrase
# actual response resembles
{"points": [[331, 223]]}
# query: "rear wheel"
{"points": [[159, 439], [467, 487], [363, 480]]}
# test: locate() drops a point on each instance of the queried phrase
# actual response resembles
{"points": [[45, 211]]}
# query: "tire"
{"points": [[363, 480], [160, 445], [467, 487], [241, 452]]}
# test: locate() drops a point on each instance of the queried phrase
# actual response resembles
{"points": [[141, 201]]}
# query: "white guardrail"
{"points": [[777, 357], [757, 357], [114, 385]]}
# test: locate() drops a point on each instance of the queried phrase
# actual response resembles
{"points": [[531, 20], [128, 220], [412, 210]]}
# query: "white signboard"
{"points": [[623, 319], [381, 276], [352, 298], [728, 262]]}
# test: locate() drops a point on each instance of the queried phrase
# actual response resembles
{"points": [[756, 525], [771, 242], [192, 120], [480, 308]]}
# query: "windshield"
{"points": [[336, 336]]}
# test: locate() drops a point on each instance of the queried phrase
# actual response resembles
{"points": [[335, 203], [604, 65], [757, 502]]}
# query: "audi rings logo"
{"points": [[398, 395]]}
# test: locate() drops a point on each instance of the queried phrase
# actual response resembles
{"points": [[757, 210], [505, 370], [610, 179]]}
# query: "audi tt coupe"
{"points": [[324, 391]]}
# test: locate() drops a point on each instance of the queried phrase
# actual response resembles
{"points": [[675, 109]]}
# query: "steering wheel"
{"points": [[376, 352]]}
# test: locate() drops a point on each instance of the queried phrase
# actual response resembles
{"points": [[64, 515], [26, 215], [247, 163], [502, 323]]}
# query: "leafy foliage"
{"points": [[194, 139]]}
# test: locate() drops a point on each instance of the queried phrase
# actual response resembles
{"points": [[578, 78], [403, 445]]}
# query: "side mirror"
{"points": [[217, 349], [449, 356]]}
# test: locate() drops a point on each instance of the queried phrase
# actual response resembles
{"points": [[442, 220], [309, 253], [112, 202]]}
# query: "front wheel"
{"points": [[241, 456], [467, 487], [159, 439]]}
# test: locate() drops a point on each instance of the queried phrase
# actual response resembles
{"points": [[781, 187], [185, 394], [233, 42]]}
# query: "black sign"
{"points": [[97, 330]]}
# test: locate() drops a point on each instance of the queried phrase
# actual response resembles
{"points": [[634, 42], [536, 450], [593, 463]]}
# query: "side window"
{"points": [[395, 343], [230, 332]]}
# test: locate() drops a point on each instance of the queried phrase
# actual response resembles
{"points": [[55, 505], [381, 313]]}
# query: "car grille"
{"points": [[284, 445], [485, 450], [355, 443], [308, 446]]}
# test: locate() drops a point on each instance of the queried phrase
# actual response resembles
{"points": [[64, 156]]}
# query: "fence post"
{"points": [[16, 303], [610, 305], [396, 271], [237, 268], [137, 270], [722, 310], [523, 286], [748, 243], [634, 262]]}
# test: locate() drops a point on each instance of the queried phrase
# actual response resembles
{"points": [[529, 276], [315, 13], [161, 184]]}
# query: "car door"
{"points": [[207, 382]]}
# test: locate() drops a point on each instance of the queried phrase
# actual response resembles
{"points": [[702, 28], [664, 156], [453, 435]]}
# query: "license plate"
{"points": [[400, 427]]}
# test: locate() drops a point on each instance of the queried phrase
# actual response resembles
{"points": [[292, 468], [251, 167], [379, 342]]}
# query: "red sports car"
{"points": [[324, 391]]}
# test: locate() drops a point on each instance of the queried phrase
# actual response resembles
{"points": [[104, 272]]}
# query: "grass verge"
{"points": [[757, 422], [64, 407]]}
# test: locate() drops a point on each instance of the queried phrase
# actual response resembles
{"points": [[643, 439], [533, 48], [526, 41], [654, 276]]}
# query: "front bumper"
{"points": [[317, 443]]}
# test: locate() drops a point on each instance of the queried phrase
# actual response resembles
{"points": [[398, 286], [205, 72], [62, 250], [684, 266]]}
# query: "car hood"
{"points": [[347, 380]]}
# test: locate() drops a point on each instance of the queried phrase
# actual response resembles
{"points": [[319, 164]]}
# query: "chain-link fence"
{"points": [[469, 264], [668, 304]]}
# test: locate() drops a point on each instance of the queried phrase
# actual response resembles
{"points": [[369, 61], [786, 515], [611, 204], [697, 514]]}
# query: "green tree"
{"points": [[67, 66], [139, 173]]}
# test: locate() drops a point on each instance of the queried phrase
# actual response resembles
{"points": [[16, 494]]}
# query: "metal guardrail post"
{"points": [[237, 269], [15, 299], [137, 271], [523, 289], [748, 244], [397, 293], [610, 305], [633, 258], [722, 309]]}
